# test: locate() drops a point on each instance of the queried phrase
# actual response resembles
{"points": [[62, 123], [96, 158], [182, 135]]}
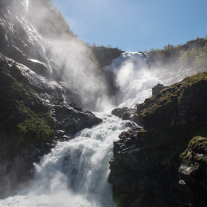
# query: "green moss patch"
{"points": [[152, 98], [24, 118]]}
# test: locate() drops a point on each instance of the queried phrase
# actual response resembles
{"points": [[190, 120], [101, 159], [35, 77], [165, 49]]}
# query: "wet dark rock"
{"points": [[193, 175], [70, 120], [17, 172], [106, 55], [17, 43], [124, 113]]}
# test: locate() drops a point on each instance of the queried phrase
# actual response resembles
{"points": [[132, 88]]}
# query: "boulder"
{"points": [[71, 119], [156, 89], [124, 113]]}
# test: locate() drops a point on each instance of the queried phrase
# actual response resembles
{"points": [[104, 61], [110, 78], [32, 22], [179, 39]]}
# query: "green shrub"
{"points": [[152, 98], [201, 60]]}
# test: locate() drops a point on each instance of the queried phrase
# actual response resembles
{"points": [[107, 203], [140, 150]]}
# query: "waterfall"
{"points": [[25, 4], [136, 74]]}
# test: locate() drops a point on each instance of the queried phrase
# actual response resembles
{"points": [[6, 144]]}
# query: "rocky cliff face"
{"points": [[105, 57], [164, 164]]}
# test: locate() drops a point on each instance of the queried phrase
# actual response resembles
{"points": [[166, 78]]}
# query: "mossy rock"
{"points": [[196, 152], [194, 165]]}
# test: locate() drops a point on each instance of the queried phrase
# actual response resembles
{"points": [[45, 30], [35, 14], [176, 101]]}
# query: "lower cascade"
{"points": [[75, 172]]}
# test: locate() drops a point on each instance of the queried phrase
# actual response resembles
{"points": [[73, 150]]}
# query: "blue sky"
{"points": [[135, 25]]}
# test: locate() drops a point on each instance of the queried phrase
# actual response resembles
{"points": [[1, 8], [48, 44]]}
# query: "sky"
{"points": [[135, 25]]}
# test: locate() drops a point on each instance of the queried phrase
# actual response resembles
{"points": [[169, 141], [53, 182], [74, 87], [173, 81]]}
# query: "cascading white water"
{"points": [[26, 4], [75, 172], [136, 74]]}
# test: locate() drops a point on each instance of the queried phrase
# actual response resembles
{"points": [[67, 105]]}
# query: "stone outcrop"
{"points": [[156, 89], [70, 119], [105, 55], [138, 177], [164, 164], [124, 113]]}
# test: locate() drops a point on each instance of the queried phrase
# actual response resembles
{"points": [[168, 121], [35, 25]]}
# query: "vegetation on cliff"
{"points": [[24, 118], [193, 53]]}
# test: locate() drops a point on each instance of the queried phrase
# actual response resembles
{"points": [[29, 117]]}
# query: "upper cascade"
{"points": [[135, 76], [139, 59], [136, 73]]}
